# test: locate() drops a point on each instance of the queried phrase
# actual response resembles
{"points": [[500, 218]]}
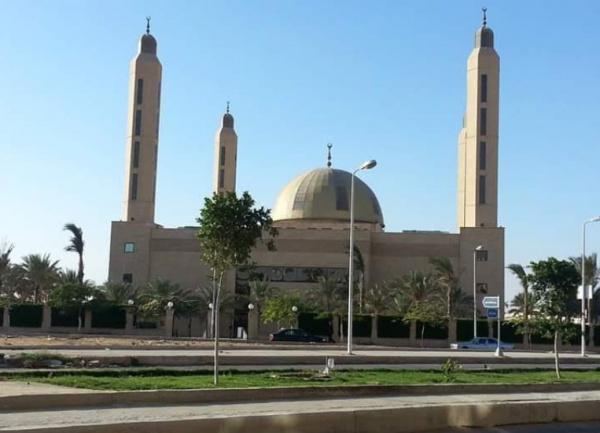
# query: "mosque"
{"points": [[312, 210]]}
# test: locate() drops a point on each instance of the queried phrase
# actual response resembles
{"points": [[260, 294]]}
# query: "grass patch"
{"points": [[161, 379]]}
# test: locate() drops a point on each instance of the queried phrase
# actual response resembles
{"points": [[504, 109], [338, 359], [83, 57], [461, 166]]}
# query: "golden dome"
{"points": [[324, 194]]}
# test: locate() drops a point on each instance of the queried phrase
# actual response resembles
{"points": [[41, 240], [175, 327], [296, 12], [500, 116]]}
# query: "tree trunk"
{"points": [[422, 333], [80, 270], [526, 335], [556, 360], [341, 327], [216, 290], [79, 320]]}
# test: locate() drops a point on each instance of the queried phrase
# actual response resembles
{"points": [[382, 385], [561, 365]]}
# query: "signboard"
{"points": [[491, 302], [492, 313]]}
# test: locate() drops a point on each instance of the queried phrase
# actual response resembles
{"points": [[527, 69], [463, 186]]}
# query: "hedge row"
{"points": [[31, 316]]}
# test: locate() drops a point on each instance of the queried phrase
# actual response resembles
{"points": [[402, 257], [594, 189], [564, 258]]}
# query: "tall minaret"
{"points": [[225, 156], [142, 132], [478, 139]]}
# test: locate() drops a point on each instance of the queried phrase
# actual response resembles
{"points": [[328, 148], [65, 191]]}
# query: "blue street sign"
{"points": [[492, 313]]}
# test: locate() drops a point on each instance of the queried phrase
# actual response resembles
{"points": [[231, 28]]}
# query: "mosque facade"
{"points": [[312, 211]]}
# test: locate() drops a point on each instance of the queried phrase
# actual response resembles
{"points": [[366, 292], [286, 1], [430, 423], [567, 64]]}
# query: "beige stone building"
{"points": [[312, 210]]}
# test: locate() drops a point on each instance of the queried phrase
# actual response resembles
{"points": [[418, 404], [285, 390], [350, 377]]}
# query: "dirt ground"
{"points": [[82, 341]]}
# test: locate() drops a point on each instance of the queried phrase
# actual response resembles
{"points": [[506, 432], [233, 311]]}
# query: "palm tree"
{"points": [[456, 302], [5, 265], [327, 297], [377, 300], [417, 292], [118, 293], [76, 245], [42, 273], [592, 277], [523, 278], [260, 292]]}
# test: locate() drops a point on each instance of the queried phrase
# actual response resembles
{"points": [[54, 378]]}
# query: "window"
{"points": [[134, 181], [140, 91], [482, 189], [129, 247], [482, 256], [483, 121], [484, 83], [138, 122], [221, 178], [128, 278], [136, 154], [482, 155], [341, 198], [222, 156]]}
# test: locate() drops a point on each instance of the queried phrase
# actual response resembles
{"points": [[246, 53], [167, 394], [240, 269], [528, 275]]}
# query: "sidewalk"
{"points": [[344, 415]]}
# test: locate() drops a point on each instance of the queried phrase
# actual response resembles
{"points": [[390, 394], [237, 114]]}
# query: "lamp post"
{"points": [[367, 165], [583, 285], [477, 248]]}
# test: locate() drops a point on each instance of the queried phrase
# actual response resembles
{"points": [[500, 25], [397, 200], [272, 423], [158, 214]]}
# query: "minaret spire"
{"points": [[227, 107], [329, 146], [148, 25], [484, 10]]}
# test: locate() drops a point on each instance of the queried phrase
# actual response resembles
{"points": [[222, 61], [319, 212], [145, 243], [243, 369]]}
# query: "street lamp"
{"points": [[477, 249], [367, 165], [130, 302], [294, 309], [170, 305], [583, 285], [251, 306]]}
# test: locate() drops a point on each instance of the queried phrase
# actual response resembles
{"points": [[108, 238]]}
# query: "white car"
{"points": [[481, 343]]}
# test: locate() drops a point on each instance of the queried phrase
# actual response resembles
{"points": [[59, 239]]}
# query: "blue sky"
{"points": [[381, 79]]}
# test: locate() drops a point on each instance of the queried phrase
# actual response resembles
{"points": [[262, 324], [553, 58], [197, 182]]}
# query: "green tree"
{"points": [[555, 283], [42, 273], [280, 310], [230, 228], [519, 272], [76, 245]]}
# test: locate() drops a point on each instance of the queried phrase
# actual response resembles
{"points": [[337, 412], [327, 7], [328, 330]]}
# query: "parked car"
{"points": [[294, 334], [481, 343]]}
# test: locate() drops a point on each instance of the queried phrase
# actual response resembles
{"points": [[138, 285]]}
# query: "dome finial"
{"points": [[227, 107], [329, 146], [484, 10], [148, 25]]}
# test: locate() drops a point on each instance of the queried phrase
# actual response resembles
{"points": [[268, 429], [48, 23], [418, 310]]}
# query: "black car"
{"points": [[295, 334]]}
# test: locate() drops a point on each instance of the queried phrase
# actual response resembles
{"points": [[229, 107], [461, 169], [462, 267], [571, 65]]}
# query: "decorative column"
{"points": [[129, 319], [374, 329], [170, 314], [413, 333], [452, 331], [87, 320], [46, 317], [253, 324], [6, 317]]}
